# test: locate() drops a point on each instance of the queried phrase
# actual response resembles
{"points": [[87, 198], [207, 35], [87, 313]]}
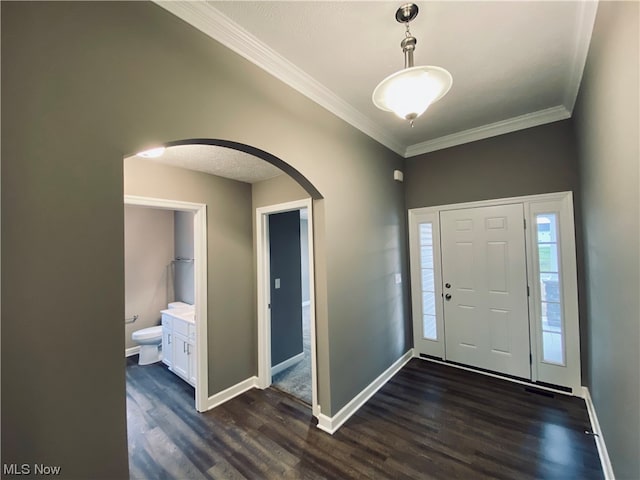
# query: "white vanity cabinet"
{"points": [[179, 340]]}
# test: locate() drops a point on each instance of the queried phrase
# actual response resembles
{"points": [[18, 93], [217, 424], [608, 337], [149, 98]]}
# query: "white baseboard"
{"points": [[332, 424], [287, 363], [129, 352], [231, 392], [605, 461]]}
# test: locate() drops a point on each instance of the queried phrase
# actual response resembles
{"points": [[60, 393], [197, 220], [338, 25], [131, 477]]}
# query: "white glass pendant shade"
{"points": [[409, 92]]}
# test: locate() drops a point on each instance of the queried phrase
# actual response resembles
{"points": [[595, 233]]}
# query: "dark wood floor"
{"points": [[429, 421]]}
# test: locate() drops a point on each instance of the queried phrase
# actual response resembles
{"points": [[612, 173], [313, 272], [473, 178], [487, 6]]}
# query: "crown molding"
{"points": [[216, 25], [491, 130], [584, 29]]}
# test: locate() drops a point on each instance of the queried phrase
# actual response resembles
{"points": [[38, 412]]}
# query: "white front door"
{"points": [[484, 290]]}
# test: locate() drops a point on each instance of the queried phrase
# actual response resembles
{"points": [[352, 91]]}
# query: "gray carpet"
{"points": [[296, 380]]}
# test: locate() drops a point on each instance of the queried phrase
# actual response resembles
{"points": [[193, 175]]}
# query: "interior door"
{"points": [[485, 288], [286, 286]]}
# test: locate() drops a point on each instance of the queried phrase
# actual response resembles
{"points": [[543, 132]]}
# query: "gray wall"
{"points": [[148, 251], [607, 129], [83, 85], [280, 189], [536, 160], [184, 271], [231, 321]]}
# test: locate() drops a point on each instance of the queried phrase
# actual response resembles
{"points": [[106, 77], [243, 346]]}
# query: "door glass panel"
{"points": [[550, 294], [548, 257], [428, 280], [426, 256], [426, 234], [428, 303], [429, 328]]}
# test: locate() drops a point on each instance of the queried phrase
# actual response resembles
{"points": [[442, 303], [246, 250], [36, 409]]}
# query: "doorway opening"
{"points": [[183, 350], [286, 313]]}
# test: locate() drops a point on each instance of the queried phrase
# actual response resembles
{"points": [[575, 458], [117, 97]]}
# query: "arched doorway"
{"points": [[210, 393]]}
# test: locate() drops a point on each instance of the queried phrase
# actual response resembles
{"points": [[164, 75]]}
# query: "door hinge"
{"points": [[525, 223], [528, 292], [530, 359]]}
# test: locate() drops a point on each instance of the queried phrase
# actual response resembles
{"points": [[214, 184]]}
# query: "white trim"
{"points": [[231, 392], [532, 307], [263, 290], [287, 363], [584, 29], [509, 125], [332, 424], [605, 461], [493, 202], [212, 22], [130, 352], [200, 276], [435, 347], [567, 373], [306, 303]]}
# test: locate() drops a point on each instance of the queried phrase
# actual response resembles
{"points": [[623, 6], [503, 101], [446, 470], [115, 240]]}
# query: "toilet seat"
{"points": [[147, 334]]}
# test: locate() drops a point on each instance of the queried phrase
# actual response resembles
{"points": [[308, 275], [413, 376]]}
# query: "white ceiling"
{"points": [[220, 161], [514, 64]]}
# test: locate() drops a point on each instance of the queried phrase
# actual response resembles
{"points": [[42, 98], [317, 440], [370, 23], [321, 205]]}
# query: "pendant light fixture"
{"points": [[409, 92]]}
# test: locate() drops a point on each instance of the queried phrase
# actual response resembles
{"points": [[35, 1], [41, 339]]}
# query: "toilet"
{"points": [[150, 339]]}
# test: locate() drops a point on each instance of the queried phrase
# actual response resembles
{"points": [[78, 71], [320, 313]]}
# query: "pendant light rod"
{"points": [[405, 14], [408, 47]]}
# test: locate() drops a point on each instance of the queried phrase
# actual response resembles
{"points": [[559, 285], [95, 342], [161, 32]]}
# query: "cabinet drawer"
{"points": [[180, 327], [192, 332], [166, 321]]}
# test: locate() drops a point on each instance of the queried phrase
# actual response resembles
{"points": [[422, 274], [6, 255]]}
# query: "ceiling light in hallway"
{"points": [[151, 153], [409, 92]]}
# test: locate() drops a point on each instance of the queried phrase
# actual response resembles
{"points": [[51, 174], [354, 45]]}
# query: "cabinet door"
{"points": [[167, 346], [191, 350], [180, 357]]}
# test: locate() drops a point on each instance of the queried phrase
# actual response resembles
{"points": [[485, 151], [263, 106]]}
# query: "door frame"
{"points": [[200, 283], [264, 294], [563, 205]]}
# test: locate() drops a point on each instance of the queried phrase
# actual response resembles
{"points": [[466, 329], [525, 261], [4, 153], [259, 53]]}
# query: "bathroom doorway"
{"points": [[190, 264], [286, 318]]}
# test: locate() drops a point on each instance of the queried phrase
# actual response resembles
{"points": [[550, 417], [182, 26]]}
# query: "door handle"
{"points": [[447, 296]]}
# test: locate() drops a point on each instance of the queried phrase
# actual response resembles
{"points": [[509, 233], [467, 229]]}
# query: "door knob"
{"points": [[447, 296], [448, 285]]}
